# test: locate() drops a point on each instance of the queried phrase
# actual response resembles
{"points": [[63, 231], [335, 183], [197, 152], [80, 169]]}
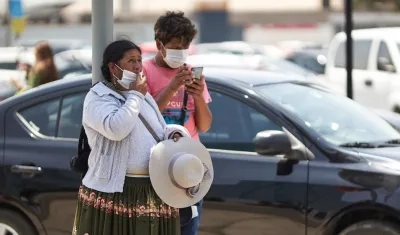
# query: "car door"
{"points": [[41, 136], [337, 72], [362, 74], [251, 194], [383, 81]]}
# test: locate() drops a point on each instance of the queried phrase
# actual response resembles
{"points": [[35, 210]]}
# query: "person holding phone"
{"points": [[168, 78]]}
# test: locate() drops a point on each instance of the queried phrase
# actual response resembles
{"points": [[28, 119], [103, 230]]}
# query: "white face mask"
{"points": [[174, 57], [127, 78]]}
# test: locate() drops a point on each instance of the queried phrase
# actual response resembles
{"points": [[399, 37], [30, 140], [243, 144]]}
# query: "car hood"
{"points": [[386, 159], [390, 152]]}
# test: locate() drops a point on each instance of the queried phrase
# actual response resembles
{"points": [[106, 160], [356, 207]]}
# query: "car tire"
{"points": [[372, 227], [15, 223]]}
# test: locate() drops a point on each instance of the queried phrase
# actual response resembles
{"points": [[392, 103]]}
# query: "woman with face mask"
{"points": [[168, 78], [116, 196]]}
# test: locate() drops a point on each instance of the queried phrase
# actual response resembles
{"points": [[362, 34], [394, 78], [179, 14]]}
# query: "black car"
{"points": [[289, 157]]}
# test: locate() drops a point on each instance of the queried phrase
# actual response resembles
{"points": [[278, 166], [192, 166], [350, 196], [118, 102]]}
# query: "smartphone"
{"points": [[197, 72]]}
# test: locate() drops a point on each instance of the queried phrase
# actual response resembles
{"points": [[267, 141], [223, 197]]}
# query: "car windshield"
{"points": [[336, 118]]}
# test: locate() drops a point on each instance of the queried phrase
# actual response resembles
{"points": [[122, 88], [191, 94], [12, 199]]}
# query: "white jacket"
{"points": [[116, 133]]}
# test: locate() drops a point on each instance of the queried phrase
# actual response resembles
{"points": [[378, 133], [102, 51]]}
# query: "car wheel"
{"points": [[396, 109], [372, 227], [11, 223]]}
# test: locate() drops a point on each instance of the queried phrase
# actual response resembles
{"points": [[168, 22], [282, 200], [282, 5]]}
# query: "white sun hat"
{"points": [[181, 172]]}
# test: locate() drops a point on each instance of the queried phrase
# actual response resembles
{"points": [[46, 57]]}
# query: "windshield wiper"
{"points": [[361, 145], [394, 141]]}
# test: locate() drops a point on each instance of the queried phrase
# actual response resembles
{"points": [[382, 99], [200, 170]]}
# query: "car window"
{"points": [[235, 125], [361, 50], [71, 115], [383, 52], [43, 117], [308, 62]]}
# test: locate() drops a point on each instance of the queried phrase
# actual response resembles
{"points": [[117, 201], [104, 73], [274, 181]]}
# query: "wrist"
{"points": [[170, 89], [136, 93], [198, 98]]}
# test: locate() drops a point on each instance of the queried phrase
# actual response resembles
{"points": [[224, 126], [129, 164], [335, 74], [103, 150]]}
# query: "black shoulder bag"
{"points": [[79, 163]]}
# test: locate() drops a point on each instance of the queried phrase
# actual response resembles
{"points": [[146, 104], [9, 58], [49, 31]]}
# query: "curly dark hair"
{"points": [[174, 25]]}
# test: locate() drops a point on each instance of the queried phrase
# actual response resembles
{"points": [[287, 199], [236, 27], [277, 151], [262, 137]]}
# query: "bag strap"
{"points": [[147, 125], [83, 141], [184, 109]]}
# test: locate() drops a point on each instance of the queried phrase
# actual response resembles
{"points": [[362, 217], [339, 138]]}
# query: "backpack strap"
{"points": [[83, 141]]}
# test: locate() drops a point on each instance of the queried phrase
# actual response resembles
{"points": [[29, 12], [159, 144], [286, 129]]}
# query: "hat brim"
{"points": [[158, 169]]}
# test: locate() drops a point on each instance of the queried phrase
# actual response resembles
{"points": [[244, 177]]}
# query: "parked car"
{"points": [[289, 156], [68, 63], [376, 66], [283, 66], [6, 88], [392, 117], [250, 62], [57, 45], [8, 57], [312, 60], [73, 62]]}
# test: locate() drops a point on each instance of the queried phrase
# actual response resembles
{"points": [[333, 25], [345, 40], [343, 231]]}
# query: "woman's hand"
{"points": [[139, 85]]}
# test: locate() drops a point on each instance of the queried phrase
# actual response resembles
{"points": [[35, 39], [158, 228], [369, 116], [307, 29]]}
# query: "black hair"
{"points": [[114, 52], [174, 25]]}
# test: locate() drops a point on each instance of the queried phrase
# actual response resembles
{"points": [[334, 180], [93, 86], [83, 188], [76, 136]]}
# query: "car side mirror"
{"points": [[272, 143], [385, 65]]}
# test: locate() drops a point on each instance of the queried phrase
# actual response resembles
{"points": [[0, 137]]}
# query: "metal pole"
{"points": [[102, 34], [8, 34], [349, 46]]}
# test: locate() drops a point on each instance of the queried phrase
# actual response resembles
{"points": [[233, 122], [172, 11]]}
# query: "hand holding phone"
{"points": [[196, 88], [197, 72]]}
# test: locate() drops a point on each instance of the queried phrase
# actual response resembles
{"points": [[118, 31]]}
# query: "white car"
{"points": [[376, 66], [9, 57]]}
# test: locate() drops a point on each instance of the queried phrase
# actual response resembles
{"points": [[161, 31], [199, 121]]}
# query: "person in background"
{"points": [[167, 81], [42, 72]]}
